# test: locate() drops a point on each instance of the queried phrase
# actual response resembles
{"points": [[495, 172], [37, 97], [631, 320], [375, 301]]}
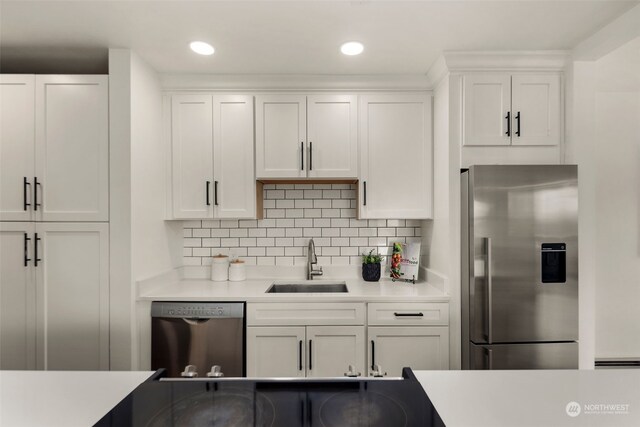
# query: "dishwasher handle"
{"points": [[195, 322]]}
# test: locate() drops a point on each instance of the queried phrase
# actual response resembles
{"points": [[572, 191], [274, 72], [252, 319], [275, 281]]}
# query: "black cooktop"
{"points": [[163, 402]]}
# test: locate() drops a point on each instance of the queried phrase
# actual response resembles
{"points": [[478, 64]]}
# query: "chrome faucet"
{"points": [[311, 260]]}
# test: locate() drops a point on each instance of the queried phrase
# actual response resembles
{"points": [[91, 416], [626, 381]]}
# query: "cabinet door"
{"points": [[536, 109], [17, 297], [396, 156], [234, 173], [416, 347], [487, 106], [276, 352], [333, 348], [17, 146], [72, 148], [333, 136], [192, 156], [281, 130], [72, 294]]}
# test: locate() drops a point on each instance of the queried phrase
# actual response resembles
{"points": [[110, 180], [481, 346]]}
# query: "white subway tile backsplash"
{"points": [[248, 223], [275, 251], [238, 232], [219, 232], [275, 232], [214, 242], [294, 213]]}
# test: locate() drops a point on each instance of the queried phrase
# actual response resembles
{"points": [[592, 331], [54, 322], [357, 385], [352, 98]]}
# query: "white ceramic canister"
{"points": [[237, 271], [220, 268]]}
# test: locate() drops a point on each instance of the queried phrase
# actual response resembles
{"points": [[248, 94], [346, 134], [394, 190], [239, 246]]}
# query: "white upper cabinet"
{"points": [[396, 163], [17, 146], [536, 109], [313, 136], [192, 155], [54, 148], [281, 133], [332, 136], [72, 148], [212, 156], [511, 109], [234, 176], [487, 109]]}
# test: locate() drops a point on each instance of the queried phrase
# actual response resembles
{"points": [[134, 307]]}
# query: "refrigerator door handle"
{"points": [[489, 281]]}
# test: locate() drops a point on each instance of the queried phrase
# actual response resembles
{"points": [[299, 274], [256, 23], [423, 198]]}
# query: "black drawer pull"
{"points": [[25, 184], [300, 355], [408, 314], [35, 250], [26, 249], [207, 193]]}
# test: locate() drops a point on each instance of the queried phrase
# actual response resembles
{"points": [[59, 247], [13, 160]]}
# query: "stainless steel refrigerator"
{"points": [[520, 267]]}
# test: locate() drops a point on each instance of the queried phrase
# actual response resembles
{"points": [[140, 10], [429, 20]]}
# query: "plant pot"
{"points": [[371, 272]]}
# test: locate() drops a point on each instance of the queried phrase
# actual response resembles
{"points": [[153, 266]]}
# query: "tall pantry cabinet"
{"points": [[54, 231]]}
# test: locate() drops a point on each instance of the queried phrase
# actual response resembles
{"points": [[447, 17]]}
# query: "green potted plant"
{"points": [[371, 266]]}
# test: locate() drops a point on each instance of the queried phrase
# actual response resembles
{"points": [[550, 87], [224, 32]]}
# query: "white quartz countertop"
{"points": [[607, 397], [62, 398], [255, 291]]}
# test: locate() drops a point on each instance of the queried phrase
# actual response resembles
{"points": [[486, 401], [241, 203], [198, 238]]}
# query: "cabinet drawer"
{"points": [[408, 313], [273, 314]]}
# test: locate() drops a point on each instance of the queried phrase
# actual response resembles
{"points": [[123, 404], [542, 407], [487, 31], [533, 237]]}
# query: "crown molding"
{"points": [[292, 82], [547, 60]]}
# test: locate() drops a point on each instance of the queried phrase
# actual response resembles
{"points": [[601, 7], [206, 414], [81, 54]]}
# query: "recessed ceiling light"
{"points": [[352, 48], [202, 48]]}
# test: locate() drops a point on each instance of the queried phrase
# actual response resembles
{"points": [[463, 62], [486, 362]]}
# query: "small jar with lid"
{"points": [[220, 268], [237, 271]]}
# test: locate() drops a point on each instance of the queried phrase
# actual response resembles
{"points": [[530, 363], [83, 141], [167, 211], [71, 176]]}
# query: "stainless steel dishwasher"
{"points": [[192, 339]]}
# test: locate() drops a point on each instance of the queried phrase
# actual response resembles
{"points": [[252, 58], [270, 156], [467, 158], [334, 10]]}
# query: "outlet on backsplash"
{"points": [[294, 213]]}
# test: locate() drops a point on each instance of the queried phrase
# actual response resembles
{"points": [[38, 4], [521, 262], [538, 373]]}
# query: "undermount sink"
{"points": [[307, 287]]}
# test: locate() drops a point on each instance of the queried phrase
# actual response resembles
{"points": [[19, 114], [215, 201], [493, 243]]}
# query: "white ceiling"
{"points": [[294, 37]]}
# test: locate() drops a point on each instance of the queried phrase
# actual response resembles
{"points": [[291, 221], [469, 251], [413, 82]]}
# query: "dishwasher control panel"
{"points": [[197, 310]]}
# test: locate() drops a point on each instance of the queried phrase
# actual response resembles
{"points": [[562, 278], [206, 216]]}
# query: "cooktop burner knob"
{"points": [[215, 372], [190, 371], [351, 373], [377, 372]]}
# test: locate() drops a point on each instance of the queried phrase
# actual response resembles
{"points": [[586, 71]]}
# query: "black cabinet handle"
{"points": [[518, 123], [408, 314], [35, 250], [373, 355], [310, 155], [36, 184], [207, 196], [508, 117], [310, 354], [300, 355], [301, 155], [25, 183], [215, 193], [26, 249], [365, 193]]}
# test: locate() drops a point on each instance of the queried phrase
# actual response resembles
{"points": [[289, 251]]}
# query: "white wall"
{"points": [[155, 242], [142, 243], [120, 302], [617, 192], [604, 140]]}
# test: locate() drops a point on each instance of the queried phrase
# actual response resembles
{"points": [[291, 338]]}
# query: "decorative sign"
{"points": [[405, 261]]}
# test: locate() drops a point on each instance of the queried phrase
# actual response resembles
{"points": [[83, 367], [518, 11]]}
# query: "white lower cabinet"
{"points": [[299, 351], [276, 352], [54, 296], [418, 347]]}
